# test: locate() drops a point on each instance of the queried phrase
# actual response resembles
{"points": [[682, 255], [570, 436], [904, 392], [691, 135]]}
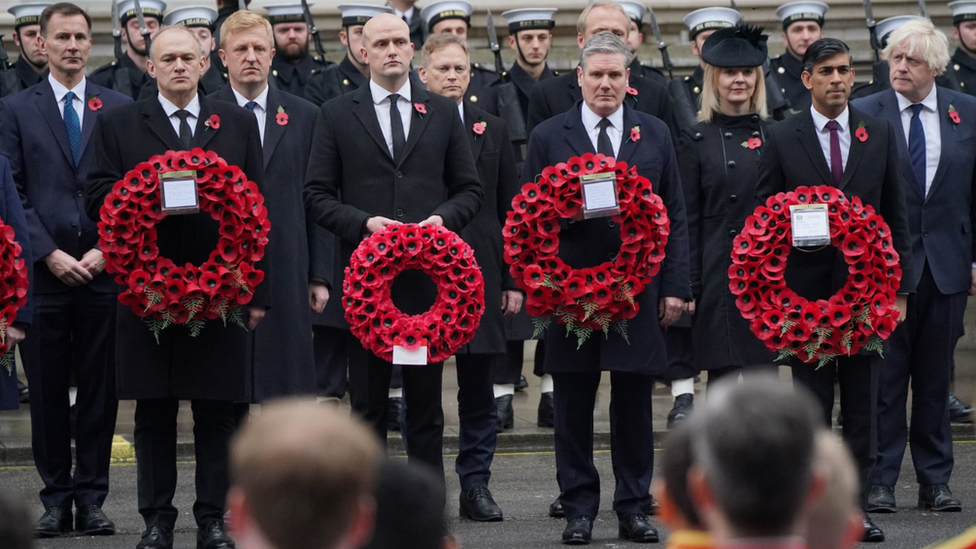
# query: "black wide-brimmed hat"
{"points": [[738, 46]]}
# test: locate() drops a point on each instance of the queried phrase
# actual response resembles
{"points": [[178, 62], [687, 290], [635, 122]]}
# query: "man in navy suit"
{"points": [[46, 134], [599, 123], [936, 157]]}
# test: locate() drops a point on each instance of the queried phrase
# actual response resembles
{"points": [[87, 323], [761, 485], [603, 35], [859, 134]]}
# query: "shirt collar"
{"points": [[592, 120], [261, 99], [380, 94], [461, 111], [931, 101], [820, 120], [193, 108], [408, 14], [60, 89]]}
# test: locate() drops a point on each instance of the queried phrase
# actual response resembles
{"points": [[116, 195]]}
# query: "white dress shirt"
{"points": [[170, 109], [260, 112], [929, 115], [60, 91], [381, 102], [461, 112], [844, 133], [406, 15], [615, 131]]}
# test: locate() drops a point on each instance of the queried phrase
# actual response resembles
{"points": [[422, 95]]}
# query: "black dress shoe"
{"points": [[872, 534], [23, 393], [156, 538], [91, 521], [881, 499], [638, 529], [683, 406], [212, 535], [937, 497], [477, 504], [395, 404], [556, 508], [959, 411], [579, 531], [54, 522], [506, 414], [547, 415], [522, 384]]}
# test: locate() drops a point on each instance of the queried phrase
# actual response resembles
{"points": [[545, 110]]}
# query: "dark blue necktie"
{"points": [[72, 125], [251, 105], [916, 145]]}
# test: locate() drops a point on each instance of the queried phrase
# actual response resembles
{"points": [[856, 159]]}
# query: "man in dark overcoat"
{"points": [[46, 133], [445, 70], [373, 166], [281, 363], [209, 369], [803, 151], [596, 125]]}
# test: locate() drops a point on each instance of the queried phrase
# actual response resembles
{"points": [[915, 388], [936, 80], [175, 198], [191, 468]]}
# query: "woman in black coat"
{"points": [[719, 163]]}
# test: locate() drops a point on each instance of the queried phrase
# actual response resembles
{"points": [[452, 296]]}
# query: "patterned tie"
{"points": [[603, 145], [916, 145], [396, 126], [72, 125], [836, 162], [186, 134]]}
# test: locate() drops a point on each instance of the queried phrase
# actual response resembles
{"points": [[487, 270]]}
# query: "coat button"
{"points": [[80, 193], [697, 136], [399, 174], [733, 232], [925, 234], [755, 118], [755, 134], [781, 70], [733, 198], [611, 224], [728, 135], [731, 163], [399, 212]]}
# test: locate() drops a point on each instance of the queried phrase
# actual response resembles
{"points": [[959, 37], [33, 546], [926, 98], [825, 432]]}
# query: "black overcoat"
{"points": [[211, 365]]}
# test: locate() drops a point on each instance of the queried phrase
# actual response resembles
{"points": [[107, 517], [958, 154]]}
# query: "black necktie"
{"points": [[916, 145], [396, 127], [186, 135], [603, 145]]}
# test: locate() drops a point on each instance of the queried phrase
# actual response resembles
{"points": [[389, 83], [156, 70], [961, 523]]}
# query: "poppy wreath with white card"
{"points": [[591, 299], [861, 315], [154, 287]]}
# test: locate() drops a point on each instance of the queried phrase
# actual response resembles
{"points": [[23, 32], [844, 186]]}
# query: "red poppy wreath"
{"points": [[859, 316], [599, 298], [450, 322], [157, 289], [13, 290]]}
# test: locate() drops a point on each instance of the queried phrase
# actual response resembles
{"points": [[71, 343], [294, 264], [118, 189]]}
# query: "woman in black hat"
{"points": [[719, 162]]}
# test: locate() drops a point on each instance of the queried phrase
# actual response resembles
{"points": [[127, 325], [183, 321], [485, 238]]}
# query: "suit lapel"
{"points": [[949, 141], [811, 144], [627, 145], [857, 147], [574, 88], [273, 132], [418, 124], [577, 136], [48, 107], [472, 117], [203, 134], [88, 121], [159, 123], [367, 116]]}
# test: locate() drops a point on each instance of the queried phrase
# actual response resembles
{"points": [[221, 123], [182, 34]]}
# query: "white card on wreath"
{"points": [[599, 195], [811, 226], [403, 356], [178, 192]]}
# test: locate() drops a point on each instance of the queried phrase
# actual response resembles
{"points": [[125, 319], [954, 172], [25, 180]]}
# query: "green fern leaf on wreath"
{"points": [[620, 327], [540, 324]]}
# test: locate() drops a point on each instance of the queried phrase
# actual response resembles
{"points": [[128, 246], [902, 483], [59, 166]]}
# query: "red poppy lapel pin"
{"points": [[479, 128], [282, 117], [632, 92], [213, 123], [862, 132], [753, 144], [634, 134], [421, 109], [94, 103], [954, 116]]}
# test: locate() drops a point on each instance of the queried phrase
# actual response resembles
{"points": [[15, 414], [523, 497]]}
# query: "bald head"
{"points": [[387, 50], [834, 521]]}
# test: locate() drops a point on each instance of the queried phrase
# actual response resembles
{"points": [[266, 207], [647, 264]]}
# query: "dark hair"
{"points": [[15, 522], [66, 9], [755, 444], [677, 459], [410, 502], [822, 49]]}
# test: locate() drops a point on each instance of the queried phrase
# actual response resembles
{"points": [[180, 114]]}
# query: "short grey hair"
{"points": [[922, 39], [605, 42], [152, 43]]}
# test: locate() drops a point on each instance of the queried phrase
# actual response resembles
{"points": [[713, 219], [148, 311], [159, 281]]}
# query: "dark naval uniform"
{"points": [[294, 78], [19, 77], [961, 73], [646, 71], [525, 83], [788, 70], [481, 80], [333, 82], [121, 75]]}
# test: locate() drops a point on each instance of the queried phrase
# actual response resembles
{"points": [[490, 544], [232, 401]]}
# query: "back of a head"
{"points": [[834, 521], [410, 502], [754, 442], [677, 458], [305, 470], [15, 522]]}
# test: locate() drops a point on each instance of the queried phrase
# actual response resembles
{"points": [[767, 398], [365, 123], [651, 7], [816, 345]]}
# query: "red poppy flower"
{"points": [[420, 108], [282, 118], [632, 91], [479, 127], [954, 115], [861, 134], [94, 104], [635, 134]]}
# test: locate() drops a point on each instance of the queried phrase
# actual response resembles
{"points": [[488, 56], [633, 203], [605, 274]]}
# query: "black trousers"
{"points": [[858, 379], [477, 416], [920, 356], [681, 359], [155, 442], [331, 361], [509, 367], [369, 389], [72, 334], [631, 442]]}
